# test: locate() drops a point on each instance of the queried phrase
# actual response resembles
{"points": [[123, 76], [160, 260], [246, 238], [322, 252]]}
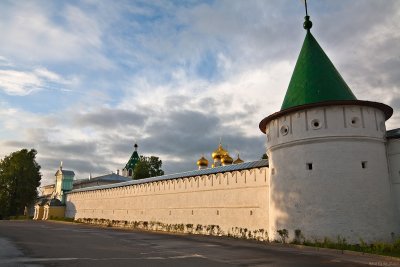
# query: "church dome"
{"points": [[238, 160], [202, 162], [227, 160], [219, 153]]}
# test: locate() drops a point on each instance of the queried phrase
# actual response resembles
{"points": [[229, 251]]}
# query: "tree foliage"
{"points": [[147, 167], [264, 156], [19, 178]]}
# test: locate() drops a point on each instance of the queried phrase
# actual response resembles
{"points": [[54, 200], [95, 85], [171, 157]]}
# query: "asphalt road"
{"points": [[43, 243]]}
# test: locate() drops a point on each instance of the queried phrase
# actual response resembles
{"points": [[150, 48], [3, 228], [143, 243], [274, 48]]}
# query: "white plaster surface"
{"points": [[232, 199]]}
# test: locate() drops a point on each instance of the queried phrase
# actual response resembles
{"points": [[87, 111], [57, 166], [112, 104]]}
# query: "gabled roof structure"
{"points": [[393, 134], [107, 178]]}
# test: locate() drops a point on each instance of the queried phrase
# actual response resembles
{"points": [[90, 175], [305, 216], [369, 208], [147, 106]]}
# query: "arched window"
{"points": [[130, 172]]}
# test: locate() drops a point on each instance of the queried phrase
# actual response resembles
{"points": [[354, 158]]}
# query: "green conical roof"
{"points": [[133, 159], [315, 79], [316, 82]]}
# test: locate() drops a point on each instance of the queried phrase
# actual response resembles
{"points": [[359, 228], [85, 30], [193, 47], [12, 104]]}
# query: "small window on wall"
{"points": [[284, 130], [309, 166], [355, 122], [315, 124], [217, 212], [273, 171], [364, 164]]}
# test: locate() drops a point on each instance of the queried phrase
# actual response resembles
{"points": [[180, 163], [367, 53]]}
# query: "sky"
{"points": [[82, 81]]}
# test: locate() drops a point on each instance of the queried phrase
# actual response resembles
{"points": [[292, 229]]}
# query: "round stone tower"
{"points": [[327, 157]]}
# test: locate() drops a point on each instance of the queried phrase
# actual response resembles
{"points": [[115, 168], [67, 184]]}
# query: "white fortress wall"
{"points": [[329, 174], [231, 199]]}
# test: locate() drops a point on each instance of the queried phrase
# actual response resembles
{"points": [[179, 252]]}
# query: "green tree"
{"points": [[147, 167], [19, 178], [264, 156]]}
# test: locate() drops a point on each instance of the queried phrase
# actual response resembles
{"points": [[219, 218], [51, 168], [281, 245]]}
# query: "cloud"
{"points": [[364, 52], [173, 76], [19, 83], [108, 119], [22, 83], [30, 33]]}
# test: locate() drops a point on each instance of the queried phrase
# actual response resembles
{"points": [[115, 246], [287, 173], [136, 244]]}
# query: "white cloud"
{"points": [[22, 83], [254, 93], [30, 34], [19, 83]]}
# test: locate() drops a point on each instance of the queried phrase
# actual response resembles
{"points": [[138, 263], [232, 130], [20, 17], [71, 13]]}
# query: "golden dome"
{"points": [[219, 153], [226, 160], [238, 160], [202, 162]]}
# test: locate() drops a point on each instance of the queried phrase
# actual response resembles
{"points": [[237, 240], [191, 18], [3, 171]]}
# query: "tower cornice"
{"points": [[387, 110]]}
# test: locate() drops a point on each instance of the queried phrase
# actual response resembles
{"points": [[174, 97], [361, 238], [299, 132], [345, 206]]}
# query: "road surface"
{"points": [[44, 243]]}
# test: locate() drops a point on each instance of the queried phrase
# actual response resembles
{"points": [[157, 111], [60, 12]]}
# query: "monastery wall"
{"points": [[230, 200]]}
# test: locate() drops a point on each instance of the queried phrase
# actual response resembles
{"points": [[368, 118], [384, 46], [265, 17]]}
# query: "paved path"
{"points": [[40, 243]]}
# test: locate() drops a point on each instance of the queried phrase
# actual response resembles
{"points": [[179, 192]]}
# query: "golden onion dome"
{"points": [[238, 160], [202, 161], [216, 154], [219, 153], [226, 160]]}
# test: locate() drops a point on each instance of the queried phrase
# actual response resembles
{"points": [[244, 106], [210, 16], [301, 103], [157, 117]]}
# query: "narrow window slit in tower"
{"points": [[364, 164], [217, 212], [309, 166]]}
